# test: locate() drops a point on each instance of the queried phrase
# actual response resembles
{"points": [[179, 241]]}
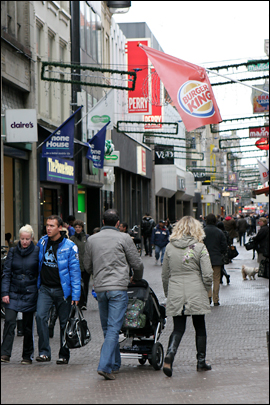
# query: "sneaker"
{"points": [[62, 361], [26, 361], [5, 359], [115, 371], [156, 262], [42, 358], [107, 376]]}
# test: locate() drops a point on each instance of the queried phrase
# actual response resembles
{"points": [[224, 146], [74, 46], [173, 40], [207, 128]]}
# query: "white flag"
{"points": [[102, 112], [264, 171]]}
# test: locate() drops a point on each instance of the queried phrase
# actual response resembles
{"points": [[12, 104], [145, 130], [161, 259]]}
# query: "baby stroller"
{"points": [[143, 324]]}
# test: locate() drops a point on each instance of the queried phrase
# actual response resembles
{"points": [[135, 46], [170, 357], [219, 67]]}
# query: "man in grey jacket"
{"points": [[109, 255]]}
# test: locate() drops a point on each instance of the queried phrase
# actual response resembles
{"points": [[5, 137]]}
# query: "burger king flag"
{"points": [[189, 88]]}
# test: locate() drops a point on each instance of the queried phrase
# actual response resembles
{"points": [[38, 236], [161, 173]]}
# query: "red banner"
{"points": [[189, 88], [156, 106], [259, 132], [137, 102]]}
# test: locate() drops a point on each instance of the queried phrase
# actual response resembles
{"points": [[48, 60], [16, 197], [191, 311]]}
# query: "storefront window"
{"points": [[18, 197]]}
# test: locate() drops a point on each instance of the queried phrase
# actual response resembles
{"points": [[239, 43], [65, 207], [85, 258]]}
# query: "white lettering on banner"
{"points": [[60, 168], [137, 103], [167, 154], [152, 118], [58, 142], [261, 132]]}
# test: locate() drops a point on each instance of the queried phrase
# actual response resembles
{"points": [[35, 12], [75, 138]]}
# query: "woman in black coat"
{"points": [[262, 240], [19, 293]]}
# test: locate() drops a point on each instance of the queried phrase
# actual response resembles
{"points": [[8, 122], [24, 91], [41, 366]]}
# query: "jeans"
{"points": [[157, 252], [8, 334], [46, 298], [112, 307]]}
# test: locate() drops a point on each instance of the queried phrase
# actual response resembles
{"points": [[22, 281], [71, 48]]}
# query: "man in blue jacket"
{"points": [[160, 238], [59, 283]]}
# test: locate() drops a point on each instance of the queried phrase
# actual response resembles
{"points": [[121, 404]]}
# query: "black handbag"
{"points": [[77, 333], [250, 244], [233, 252]]}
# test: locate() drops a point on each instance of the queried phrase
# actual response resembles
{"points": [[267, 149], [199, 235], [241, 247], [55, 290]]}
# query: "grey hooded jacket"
{"points": [[108, 254], [187, 277]]}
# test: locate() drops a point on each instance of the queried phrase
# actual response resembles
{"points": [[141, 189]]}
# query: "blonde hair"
{"points": [[27, 229], [188, 226]]}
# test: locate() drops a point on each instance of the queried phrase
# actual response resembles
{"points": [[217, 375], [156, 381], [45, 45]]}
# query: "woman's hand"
{"points": [[5, 299]]}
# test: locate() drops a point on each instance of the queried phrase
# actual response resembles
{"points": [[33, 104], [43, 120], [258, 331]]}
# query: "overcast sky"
{"points": [[209, 34], [205, 31]]}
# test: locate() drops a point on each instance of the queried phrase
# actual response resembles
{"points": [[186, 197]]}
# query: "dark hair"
{"points": [[7, 236], [71, 218], [241, 216], [78, 222], [211, 219], [125, 225], [111, 217], [221, 226], [59, 219], [96, 230]]}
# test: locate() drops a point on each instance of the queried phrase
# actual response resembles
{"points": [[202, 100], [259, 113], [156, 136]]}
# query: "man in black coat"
{"points": [[216, 244]]}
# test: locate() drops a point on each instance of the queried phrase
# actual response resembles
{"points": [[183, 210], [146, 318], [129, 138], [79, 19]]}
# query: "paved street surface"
{"points": [[237, 350]]}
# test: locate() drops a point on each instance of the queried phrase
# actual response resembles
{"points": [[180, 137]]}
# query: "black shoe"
{"points": [[62, 361], [228, 279], [26, 361], [201, 352], [43, 358], [210, 300], [216, 304], [5, 359]]}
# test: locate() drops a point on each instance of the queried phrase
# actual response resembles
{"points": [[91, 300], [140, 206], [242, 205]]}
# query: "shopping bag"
{"points": [[250, 244], [77, 333], [233, 252]]}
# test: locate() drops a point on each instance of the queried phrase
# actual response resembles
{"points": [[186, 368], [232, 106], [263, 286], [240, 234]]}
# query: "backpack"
{"points": [[147, 225]]}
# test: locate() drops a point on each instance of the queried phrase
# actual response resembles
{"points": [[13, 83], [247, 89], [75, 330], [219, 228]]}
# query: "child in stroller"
{"points": [[143, 324]]}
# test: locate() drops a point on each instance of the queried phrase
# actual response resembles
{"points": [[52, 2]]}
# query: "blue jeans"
{"points": [[46, 298], [157, 252], [112, 307]]}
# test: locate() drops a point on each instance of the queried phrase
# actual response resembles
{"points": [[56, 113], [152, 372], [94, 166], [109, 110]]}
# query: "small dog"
{"points": [[249, 271]]}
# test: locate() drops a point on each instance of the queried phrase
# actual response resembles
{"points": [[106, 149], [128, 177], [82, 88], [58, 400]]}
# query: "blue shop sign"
{"points": [[57, 170]]}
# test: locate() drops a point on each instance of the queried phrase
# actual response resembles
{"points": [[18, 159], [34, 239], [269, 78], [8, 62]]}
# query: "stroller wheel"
{"points": [[157, 356], [142, 361]]}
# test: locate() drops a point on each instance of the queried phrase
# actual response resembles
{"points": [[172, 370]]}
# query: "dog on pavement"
{"points": [[249, 271]]}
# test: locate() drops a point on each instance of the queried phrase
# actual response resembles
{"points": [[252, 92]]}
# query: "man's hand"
{"points": [[76, 302], [5, 299]]}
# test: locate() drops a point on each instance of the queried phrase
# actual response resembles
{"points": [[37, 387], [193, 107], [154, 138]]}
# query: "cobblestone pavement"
{"points": [[237, 350]]}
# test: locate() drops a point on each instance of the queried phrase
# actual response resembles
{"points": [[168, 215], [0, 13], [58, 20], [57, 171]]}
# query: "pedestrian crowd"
{"points": [[46, 277]]}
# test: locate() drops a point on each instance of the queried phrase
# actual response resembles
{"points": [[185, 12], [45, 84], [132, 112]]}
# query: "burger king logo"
{"points": [[195, 99]]}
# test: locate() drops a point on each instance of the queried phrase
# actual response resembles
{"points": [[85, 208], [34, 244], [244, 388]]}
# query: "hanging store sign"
{"points": [[57, 170], [260, 100], [199, 175], [259, 132], [113, 159], [155, 119], [138, 102], [141, 161], [21, 125], [164, 155]]}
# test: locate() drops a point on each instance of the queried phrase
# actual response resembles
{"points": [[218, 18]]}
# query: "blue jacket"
{"points": [[68, 266], [19, 280], [160, 237]]}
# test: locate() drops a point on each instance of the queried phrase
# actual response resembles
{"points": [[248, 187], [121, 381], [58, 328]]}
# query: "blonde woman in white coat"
{"points": [[187, 277]]}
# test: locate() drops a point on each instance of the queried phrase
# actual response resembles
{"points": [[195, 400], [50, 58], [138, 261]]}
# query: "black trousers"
{"points": [[86, 278], [179, 323], [8, 334], [147, 244]]}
